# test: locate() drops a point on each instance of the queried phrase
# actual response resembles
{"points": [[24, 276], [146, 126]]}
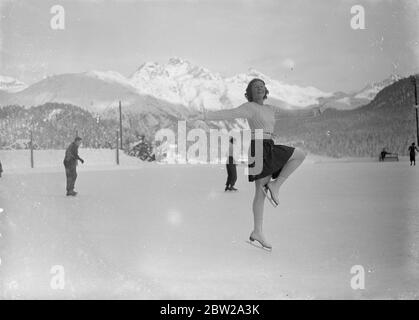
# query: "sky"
{"points": [[303, 42]]}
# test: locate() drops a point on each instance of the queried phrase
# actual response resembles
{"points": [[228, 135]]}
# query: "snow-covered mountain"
{"points": [[86, 90], [94, 91], [353, 100], [109, 76], [175, 84], [11, 85], [179, 81], [292, 95], [370, 91]]}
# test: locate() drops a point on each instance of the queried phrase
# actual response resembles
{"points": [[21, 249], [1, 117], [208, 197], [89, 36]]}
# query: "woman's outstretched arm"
{"points": [[243, 111], [300, 113]]}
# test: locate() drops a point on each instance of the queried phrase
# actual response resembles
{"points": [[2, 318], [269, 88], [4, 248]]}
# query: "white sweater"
{"points": [[258, 116]]}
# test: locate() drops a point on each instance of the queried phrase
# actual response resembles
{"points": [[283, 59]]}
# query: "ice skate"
{"points": [[259, 238], [269, 195]]}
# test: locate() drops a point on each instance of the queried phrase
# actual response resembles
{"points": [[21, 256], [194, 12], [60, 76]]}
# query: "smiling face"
{"points": [[258, 90]]}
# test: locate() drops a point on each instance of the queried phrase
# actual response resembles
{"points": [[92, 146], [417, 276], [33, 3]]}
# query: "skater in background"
{"points": [[383, 154], [231, 168], [70, 163], [412, 154], [279, 161], [1, 169]]}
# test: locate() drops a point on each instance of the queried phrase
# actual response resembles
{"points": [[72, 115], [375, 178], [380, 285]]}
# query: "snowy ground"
{"points": [[170, 231], [51, 160]]}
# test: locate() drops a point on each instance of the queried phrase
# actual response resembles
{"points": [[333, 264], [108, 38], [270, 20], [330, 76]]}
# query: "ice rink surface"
{"points": [[171, 232]]}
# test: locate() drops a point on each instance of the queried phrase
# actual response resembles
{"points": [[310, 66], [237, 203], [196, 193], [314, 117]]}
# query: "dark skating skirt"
{"points": [[274, 158]]}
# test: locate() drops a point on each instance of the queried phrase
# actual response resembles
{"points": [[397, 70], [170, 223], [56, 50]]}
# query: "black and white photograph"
{"points": [[209, 150]]}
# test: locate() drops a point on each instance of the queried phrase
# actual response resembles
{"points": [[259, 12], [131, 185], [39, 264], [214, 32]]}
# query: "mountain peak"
{"points": [[371, 90], [147, 65], [395, 77], [11, 85], [177, 61], [172, 62]]}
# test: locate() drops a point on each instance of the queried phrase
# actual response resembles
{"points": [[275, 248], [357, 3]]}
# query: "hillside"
{"points": [[388, 121], [55, 124]]}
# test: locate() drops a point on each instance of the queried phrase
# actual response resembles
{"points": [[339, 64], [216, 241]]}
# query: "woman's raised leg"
{"points": [[292, 164]]}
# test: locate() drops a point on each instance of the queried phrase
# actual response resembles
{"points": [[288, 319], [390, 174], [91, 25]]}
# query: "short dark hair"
{"points": [[248, 93], [78, 139]]}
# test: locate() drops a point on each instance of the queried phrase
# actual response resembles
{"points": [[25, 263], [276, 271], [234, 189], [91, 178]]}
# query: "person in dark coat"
{"points": [[231, 168], [70, 163], [412, 154], [1, 169], [383, 154]]}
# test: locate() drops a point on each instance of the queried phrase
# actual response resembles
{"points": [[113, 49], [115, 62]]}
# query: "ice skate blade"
{"points": [[265, 190], [263, 247]]}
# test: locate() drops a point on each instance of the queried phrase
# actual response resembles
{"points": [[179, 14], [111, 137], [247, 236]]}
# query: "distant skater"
{"points": [[279, 161], [70, 164], [231, 168], [383, 154], [1, 169], [412, 154]]}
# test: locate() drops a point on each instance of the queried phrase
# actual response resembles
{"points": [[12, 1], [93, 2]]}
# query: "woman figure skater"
{"points": [[279, 161]]}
